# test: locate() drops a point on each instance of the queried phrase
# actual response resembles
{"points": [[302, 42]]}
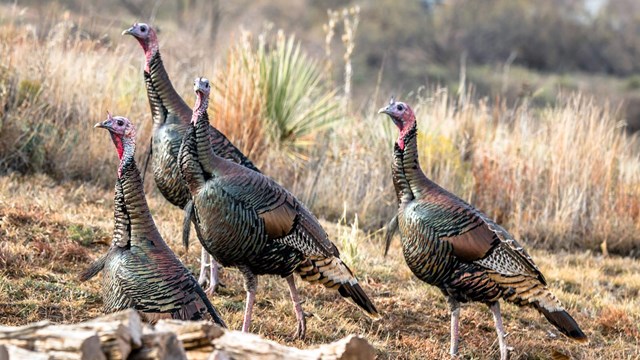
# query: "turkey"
{"points": [[248, 221], [139, 270], [171, 116], [450, 244]]}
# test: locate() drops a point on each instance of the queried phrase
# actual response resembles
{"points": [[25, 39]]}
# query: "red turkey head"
{"points": [[402, 116], [146, 36], [120, 128], [118, 125], [400, 113]]}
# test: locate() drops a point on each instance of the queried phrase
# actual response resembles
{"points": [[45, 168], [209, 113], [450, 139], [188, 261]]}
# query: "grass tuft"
{"points": [[349, 240]]}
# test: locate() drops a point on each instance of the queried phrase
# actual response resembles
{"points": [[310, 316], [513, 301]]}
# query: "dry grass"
{"points": [[42, 250], [237, 104], [565, 177], [561, 178]]}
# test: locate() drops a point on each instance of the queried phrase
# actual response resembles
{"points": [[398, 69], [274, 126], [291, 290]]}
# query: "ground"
{"points": [[49, 232]]}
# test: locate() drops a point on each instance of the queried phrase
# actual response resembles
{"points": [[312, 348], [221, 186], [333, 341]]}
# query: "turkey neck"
{"points": [[163, 98], [130, 184], [409, 180], [211, 162]]}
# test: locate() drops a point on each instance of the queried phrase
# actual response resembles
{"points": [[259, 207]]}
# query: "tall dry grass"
{"points": [[562, 177], [565, 177], [237, 103], [57, 81], [52, 94]]}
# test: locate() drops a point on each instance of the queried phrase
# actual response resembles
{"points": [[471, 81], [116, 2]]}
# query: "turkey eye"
{"points": [[120, 122], [400, 107], [143, 29]]}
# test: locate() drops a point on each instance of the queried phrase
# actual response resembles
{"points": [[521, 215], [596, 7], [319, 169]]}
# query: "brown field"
{"points": [[564, 179], [50, 232]]}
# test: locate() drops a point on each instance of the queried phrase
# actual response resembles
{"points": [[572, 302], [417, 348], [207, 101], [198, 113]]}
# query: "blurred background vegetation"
{"points": [[508, 48], [528, 109]]}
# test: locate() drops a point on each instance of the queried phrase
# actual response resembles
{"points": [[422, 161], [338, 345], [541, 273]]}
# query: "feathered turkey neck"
{"points": [[150, 47], [411, 181], [200, 121], [200, 107], [406, 124], [125, 146]]}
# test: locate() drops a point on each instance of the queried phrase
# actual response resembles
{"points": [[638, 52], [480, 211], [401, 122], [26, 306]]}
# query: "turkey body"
{"points": [[171, 117], [246, 220], [231, 221], [144, 272], [432, 257], [166, 173], [448, 243], [139, 269]]}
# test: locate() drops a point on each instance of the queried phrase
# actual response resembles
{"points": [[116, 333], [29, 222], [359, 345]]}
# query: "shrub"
{"points": [[297, 103]]}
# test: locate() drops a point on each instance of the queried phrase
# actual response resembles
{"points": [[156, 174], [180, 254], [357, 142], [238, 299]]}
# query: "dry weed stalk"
{"points": [[329, 30], [350, 19]]}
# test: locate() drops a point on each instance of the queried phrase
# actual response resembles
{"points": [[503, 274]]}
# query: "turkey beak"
{"points": [[384, 110], [104, 125], [128, 31]]}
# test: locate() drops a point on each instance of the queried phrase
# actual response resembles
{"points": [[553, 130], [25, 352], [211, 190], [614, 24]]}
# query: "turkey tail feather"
{"points": [[186, 224], [212, 311], [563, 322], [354, 293], [334, 274], [93, 269], [392, 228]]}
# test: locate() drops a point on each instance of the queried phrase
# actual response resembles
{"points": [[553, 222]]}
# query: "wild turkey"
{"points": [[450, 244], [248, 221], [139, 270], [171, 116]]}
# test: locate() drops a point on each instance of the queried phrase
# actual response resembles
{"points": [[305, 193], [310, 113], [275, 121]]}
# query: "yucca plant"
{"points": [[297, 101]]}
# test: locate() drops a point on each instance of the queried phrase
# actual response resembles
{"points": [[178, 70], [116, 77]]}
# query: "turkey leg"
{"points": [[297, 307]]}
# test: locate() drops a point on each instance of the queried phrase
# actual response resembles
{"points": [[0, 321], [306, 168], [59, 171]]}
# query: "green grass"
{"points": [[297, 102]]}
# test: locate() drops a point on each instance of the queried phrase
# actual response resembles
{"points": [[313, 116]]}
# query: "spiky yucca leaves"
{"points": [[272, 95], [297, 102]]}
